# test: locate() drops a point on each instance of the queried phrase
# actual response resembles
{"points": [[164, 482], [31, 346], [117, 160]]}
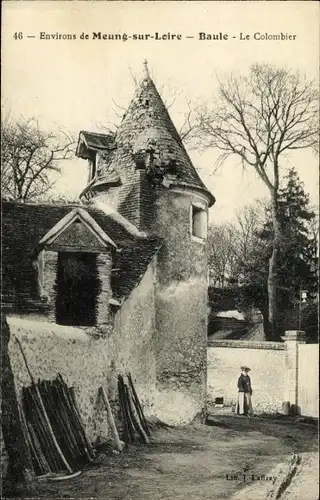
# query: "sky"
{"points": [[79, 84]]}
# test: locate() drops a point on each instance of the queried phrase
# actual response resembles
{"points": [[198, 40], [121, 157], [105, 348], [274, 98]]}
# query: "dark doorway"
{"points": [[77, 288]]}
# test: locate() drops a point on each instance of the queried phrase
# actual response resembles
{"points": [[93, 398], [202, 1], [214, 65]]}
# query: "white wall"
{"points": [[308, 379], [267, 363]]}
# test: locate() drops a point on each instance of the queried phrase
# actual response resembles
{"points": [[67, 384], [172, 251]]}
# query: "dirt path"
{"points": [[190, 463]]}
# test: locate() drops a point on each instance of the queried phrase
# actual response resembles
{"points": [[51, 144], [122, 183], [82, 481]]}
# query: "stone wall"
{"points": [[267, 363], [50, 269], [181, 308], [135, 198], [86, 361], [104, 265]]}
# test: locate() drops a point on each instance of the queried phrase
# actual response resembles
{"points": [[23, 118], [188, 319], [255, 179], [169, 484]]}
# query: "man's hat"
{"points": [[245, 369]]}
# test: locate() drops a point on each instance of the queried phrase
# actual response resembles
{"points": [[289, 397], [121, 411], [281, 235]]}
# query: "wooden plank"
{"points": [[111, 419]]}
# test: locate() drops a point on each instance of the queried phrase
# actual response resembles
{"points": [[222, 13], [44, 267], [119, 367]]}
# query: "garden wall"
{"points": [[267, 363], [87, 361], [280, 372]]}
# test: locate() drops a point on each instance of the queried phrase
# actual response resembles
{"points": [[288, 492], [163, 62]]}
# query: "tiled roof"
{"points": [[25, 224], [147, 126], [135, 254], [100, 184], [95, 141], [147, 122], [130, 265]]}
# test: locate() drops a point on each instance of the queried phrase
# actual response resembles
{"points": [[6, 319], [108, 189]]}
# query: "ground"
{"points": [[303, 484], [192, 462]]}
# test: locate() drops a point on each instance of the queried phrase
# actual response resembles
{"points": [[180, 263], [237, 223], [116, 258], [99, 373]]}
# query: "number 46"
{"points": [[18, 36]]}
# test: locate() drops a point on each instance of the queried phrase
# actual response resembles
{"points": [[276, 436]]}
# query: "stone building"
{"points": [[118, 282]]}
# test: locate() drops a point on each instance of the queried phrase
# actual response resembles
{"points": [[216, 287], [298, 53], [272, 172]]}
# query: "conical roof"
{"points": [[147, 129], [147, 124]]}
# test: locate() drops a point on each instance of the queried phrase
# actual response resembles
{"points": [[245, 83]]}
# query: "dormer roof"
{"points": [[93, 141], [76, 215]]}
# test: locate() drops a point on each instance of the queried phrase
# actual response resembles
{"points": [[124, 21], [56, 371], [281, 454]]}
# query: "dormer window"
{"points": [[90, 145], [92, 165], [198, 221]]}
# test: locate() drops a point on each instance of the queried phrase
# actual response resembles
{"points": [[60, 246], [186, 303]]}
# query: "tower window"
{"points": [[199, 221], [140, 163]]}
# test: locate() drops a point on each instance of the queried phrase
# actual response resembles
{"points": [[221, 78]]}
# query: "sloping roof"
{"points": [[227, 328], [109, 180], [94, 141], [247, 332], [147, 126], [130, 265], [25, 224]]}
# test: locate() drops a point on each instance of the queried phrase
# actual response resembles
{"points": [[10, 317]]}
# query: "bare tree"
{"points": [[222, 258], [231, 243], [249, 220], [188, 127], [259, 118], [30, 157]]}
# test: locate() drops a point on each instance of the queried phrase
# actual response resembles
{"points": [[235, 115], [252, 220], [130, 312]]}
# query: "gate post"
{"points": [[292, 340]]}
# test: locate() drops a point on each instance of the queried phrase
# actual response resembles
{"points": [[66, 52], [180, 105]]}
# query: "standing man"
{"points": [[244, 406]]}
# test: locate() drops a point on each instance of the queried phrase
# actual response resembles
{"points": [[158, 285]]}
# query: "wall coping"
{"points": [[37, 325], [35, 328], [247, 344]]}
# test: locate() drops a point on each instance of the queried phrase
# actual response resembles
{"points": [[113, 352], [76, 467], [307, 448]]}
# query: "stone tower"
{"points": [[145, 172]]}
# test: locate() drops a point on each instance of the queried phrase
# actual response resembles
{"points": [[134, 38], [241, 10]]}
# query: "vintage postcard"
{"points": [[160, 242]]}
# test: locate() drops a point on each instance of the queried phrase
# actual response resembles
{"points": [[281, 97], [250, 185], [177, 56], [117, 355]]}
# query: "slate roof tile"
{"points": [[25, 224], [97, 141]]}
